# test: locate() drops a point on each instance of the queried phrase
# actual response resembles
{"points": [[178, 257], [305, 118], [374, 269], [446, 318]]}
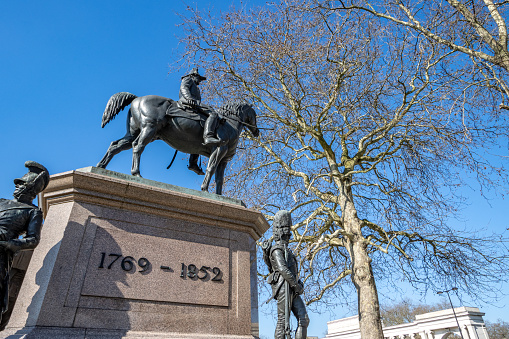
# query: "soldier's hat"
{"points": [[37, 176], [281, 224], [282, 218], [194, 71]]}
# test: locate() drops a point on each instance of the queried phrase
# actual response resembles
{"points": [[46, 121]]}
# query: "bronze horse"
{"points": [[148, 120]]}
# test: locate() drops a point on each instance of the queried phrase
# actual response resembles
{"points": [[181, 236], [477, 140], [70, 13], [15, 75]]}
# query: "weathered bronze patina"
{"points": [[185, 125], [284, 279], [19, 217]]}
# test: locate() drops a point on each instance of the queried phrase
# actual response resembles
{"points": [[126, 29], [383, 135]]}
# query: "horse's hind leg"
{"points": [[116, 147], [144, 138]]}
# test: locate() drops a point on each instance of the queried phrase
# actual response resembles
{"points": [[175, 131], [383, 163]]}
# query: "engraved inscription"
{"points": [[129, 265], [126, 263]]}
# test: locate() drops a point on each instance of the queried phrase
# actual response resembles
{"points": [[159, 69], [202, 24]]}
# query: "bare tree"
{"points": [[498, 329], [405, 311], [475, 28], [371, 132]]}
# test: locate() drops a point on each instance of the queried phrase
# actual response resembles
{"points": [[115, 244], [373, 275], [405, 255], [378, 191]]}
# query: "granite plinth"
{"points": [[148, 182], [81, 333], [125, 258]]}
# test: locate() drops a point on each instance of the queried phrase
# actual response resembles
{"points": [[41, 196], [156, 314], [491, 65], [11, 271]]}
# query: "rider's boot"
{"points": [[193, 164], [209, 130]]}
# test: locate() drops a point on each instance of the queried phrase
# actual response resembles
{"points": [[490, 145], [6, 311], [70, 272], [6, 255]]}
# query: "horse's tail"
{"points": [[117, 103]]}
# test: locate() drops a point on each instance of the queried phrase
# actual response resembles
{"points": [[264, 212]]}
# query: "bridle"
{"points": [[234, 118]]}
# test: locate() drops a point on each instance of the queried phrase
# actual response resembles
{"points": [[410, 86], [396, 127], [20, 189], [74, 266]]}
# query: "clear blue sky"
{"points": [[60, 61]]}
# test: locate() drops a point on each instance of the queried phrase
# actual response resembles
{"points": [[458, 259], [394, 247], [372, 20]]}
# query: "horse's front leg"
{"points": [[144, 138], [214, 160], [220, 176]]}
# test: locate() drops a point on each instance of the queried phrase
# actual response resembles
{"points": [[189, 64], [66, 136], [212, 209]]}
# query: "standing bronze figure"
{"points": [[153, 117], [284, 279], [17, 217]]}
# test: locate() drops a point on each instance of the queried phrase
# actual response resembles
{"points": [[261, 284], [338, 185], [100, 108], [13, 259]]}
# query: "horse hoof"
{"points": [[195, 169]]}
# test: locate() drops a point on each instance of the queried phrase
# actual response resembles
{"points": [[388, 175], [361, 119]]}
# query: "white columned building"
{"points": [[433, 325]]}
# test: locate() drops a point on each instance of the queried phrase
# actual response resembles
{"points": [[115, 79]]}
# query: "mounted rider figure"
{"points": [[190, 99]]}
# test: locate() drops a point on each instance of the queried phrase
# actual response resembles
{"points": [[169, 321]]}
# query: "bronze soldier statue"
{"points": [[190, 98], [19, 217], [286, 286]]}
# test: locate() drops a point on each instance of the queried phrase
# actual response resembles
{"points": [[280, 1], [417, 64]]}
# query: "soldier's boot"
{"points": [[301, 333], [279, 333], [303, 322], [209, 130], [193, 164]]}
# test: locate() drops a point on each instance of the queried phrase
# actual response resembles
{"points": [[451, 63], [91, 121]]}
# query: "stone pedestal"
{"points": [[128, 257]]}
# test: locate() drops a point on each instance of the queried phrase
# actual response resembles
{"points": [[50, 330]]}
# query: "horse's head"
{"points": [[249, 119], [243, 113]]}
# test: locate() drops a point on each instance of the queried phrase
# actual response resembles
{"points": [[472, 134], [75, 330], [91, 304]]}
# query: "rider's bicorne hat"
{"points": [[194, 71]]}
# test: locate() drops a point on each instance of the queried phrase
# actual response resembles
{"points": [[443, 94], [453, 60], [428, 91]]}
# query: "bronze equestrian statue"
{"points": [[19, 217], [154, 117]]}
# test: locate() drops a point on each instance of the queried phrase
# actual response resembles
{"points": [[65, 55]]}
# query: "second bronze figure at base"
{"points": [[286, 286]]}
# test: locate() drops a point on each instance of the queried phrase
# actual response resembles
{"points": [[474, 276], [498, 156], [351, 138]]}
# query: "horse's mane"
{"points": [[231, 109]]}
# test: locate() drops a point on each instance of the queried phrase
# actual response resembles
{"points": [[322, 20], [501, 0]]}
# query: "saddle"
{"points": [[176, 109]]}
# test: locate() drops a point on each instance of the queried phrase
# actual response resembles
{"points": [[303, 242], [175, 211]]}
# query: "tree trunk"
{"points": [[367, 296], [362, 273]]}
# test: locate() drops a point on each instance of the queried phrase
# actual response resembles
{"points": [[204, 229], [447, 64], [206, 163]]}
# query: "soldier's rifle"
{"points": [[288, 300]]}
